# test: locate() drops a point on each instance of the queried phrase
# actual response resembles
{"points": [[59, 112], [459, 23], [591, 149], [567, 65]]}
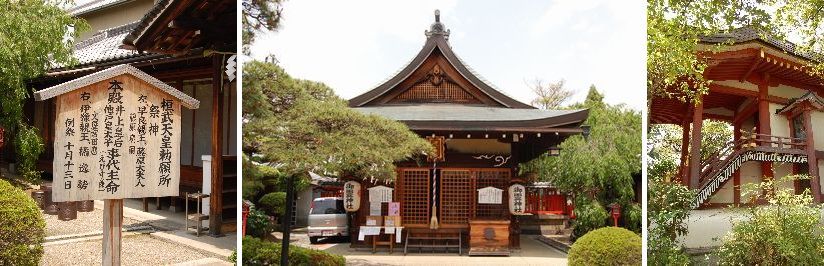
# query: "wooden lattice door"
{"points": [[498, 178], [414, 196], [455, 197]]}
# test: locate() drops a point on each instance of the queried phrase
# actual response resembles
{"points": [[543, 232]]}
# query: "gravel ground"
{"points": [[139, 249], [86, 222]]}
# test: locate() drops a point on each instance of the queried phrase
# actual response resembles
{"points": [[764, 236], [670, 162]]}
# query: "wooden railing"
{"points": [[719, 160]]}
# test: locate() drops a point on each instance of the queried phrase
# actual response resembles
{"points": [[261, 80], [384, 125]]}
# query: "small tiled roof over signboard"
{"points": [[57, 90]]}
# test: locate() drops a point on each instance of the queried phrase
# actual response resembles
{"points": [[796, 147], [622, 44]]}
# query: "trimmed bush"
{"points": [[273, 203], [261, 252], [606, 246], [258, 224], [22, 227]]}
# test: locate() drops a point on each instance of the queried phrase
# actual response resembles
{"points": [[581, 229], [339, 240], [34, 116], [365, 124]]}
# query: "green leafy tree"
{"points": [[299, 126], [599, 169], [787, 231], [34, 36], [674, 68]]}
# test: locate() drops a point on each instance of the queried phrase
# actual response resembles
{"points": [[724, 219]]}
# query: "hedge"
{"points": [[262, 252], [22, 227]]}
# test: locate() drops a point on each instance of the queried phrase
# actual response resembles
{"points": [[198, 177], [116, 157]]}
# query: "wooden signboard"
{"points": [[380, 194], [490, 195], [117, 135]]}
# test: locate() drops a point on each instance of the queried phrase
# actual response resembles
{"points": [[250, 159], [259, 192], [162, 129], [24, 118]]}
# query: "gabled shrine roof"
{"points": [[437, 38], [112, 72], [463, 117]]}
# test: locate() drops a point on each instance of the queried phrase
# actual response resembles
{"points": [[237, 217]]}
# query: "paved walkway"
{"points": [[156, 238], [532, 252]]}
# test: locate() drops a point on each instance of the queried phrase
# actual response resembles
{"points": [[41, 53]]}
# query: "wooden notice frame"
{"points": [[117, 135]]}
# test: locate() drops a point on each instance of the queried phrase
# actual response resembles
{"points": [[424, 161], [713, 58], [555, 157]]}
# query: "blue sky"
{"points": [[352, 46]]}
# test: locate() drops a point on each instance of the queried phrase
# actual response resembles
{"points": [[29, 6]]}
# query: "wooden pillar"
{"points": [[764, 122], [812, 161], [683, 171], [112, 228], [736, 177], [216, 197], [695, 145]]}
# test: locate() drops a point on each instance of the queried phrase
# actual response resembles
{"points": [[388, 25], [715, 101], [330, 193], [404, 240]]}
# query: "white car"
{"points": [[327, 218]]}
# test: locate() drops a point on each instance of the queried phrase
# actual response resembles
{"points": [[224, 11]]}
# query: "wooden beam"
{"points": [[216, 197], [764, 117], [732, 90], [755, 63], [745, 113], [736, 177]]}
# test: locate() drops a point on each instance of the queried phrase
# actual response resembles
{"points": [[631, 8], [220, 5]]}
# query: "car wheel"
{"points": [[313, 239]]}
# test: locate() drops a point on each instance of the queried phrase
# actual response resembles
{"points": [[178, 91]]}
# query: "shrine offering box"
{"points": [[374, 220], [392, 221], [489, 237]]}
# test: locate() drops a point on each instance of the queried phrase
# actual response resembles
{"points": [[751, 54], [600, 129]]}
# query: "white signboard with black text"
{"points": [[490, 195]]}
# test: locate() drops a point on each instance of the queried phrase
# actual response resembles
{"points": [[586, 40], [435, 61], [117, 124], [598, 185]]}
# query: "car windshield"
{"points": [[328, 206]]}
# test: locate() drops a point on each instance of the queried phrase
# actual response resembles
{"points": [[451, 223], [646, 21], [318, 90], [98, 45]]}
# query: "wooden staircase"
{"points": [[229, 198], [720, 166]]}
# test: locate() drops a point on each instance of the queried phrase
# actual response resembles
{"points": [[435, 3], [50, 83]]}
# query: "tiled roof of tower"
{"points": [[749, 34]]}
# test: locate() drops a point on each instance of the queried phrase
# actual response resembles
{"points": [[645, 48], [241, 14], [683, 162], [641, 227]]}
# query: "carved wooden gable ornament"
{"points": [[117, 135]]}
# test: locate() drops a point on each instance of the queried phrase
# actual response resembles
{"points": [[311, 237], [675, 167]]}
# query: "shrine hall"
{"points": [[765, 89], [480, 135]]}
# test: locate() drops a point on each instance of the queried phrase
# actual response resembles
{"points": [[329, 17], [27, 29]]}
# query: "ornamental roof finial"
{"points": [[437, 28]]}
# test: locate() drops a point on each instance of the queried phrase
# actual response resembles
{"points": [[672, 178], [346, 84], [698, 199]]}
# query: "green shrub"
{"points": [[21, 227], [261, 252], [606, 246], [273, 203], [589, 215], [258, 224], [668, 207], [785, 232], [632, 217]]}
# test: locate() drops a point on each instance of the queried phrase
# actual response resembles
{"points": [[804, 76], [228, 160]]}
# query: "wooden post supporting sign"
{"points": [[112, 228]]}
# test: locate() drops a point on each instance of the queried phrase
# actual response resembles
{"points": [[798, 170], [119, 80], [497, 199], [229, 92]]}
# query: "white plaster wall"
{"points": [[203, 125], [817, 119], [750, 173], [725, 194], [781, 170], [779, 125], [785, 91], [115, 16]]}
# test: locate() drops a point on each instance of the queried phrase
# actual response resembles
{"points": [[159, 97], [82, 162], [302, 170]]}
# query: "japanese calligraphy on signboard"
{"points": [[351, 196], [117, 135], [490, 195], [517, 199], [380, 194]]}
